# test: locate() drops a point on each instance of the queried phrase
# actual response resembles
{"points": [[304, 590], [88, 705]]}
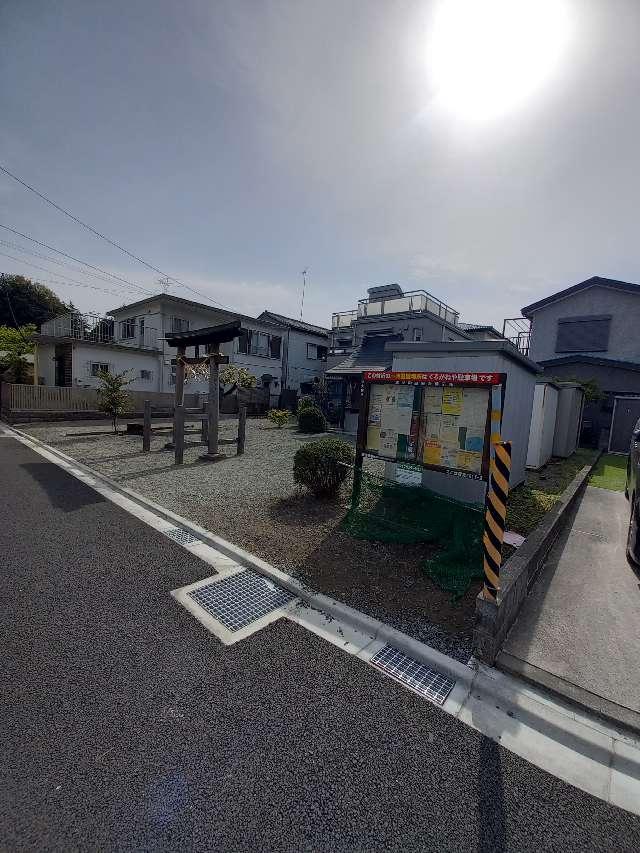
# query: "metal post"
{"points": [[178, 395], [214, 405], [146, 427], [242, 429], [494, 518], [361, 441], [178, 434]]}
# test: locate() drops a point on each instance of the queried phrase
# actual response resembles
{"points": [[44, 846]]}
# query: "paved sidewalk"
{"points": [[578, 633]]}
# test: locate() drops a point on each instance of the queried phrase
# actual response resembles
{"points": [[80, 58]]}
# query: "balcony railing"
{"points": [[343, 319], [98, 329], [414, 301]]}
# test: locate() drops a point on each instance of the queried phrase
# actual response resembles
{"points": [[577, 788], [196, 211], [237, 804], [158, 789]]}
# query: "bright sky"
{"points": [[485, 150]]}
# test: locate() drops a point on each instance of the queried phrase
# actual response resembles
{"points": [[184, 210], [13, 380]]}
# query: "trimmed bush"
{"points": [[311, 419], [279, 417], [322, 466], [305, 403]]}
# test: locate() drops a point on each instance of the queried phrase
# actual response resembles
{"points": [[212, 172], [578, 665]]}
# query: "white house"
{"points": [[74, 348], [304, 355]]}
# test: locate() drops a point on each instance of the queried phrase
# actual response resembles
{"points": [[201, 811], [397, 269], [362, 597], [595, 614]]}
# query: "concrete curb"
{"points": [[337, 609]]}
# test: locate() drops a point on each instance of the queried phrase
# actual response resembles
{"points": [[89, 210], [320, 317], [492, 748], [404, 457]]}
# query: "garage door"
{"points": [[626, 414]]}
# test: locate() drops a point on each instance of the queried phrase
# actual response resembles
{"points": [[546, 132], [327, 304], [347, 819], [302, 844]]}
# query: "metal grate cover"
{"points": [[179, 535], [240, 599], [413, 674]]}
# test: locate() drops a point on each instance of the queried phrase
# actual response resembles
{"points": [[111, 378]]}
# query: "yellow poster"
{"points": [[373, 438], [452, 399], [469, 461], [432, 453]]}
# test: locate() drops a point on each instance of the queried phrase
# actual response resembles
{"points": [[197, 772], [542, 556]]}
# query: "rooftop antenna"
{"points": [[165, 284], [304, 287]]}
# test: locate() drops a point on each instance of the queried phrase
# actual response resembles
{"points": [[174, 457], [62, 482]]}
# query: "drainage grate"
{"points": [[413, 674], [179, 535], [240, 599]]}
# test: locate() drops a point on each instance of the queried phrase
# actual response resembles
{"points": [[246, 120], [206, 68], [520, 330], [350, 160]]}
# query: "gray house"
{"points": [[591, 331], [304, 354], [358, 337]]}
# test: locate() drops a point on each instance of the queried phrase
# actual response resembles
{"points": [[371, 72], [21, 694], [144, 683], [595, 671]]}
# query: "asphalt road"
{"points": [[127, 726]]}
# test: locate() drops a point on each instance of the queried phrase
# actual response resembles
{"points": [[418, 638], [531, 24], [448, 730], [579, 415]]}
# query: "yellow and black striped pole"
{"points": [[494, 517]]}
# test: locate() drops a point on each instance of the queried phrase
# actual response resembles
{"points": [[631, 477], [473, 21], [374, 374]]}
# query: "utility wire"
{"points": [[50, 272], [72, 258], [107, 239], [16, 247]]}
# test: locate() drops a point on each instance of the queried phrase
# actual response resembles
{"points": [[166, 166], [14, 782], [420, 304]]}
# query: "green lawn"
{"points": [[529, 502], [610, 473]]}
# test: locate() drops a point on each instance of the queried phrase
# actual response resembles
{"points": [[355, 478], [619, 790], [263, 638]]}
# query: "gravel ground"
{"points": [[252, 501]]}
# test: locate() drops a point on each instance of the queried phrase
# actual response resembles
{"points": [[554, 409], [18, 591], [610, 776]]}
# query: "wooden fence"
{"points": [[43, 398]]}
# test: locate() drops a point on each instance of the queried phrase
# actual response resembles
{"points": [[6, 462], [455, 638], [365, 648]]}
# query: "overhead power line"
{"points": [[77, 260], [8, 244], [107, 239], [55, 274]]}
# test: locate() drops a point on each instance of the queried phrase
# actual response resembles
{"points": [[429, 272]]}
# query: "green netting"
{"points": [[384, 511]]}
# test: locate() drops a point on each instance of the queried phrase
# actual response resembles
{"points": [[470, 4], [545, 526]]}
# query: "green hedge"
{"points": [[311, 419], [322, 466]]}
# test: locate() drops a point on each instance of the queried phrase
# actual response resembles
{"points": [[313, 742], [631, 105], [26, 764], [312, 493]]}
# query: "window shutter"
{"points": [[583, 334]]}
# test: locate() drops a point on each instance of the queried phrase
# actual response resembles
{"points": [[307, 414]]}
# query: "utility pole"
{"points": [[304, 286]]}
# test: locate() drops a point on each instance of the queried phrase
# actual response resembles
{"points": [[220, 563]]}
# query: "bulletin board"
{"points": [[438, 421]]}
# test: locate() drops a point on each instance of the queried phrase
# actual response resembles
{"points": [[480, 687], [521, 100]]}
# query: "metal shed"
{"points": [[543, 424], [568, 419], [478, 356], [626, 414]]}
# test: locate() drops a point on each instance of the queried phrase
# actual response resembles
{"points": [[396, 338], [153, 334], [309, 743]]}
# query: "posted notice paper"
{"points": [[452, 401]]}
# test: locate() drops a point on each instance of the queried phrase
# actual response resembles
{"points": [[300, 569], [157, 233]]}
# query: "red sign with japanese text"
{"points": [[433, 377]]}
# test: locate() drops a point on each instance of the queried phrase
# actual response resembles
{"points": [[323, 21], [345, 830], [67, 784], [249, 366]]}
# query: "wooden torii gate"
{"points": [[211, 337]]}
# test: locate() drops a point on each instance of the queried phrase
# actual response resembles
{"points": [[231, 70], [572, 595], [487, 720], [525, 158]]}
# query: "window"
{"points": [[275, 347], [141, 326], [583, 334], [417, 335], [252, 342], [316, 352], [178, 324], [127, 329], [97, 367], [146, 374]]}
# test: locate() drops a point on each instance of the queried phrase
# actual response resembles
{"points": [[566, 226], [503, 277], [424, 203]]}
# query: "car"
{"points": [[632, 491]]}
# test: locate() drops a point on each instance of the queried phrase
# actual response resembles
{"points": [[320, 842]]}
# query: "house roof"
{"points": [[504, 347], [295, 324], [479, 327], [370, 355], [595, 281], [578, 358], [222, 313], [167, 297]]}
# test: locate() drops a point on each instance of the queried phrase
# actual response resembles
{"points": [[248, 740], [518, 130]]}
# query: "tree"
{"points": [[112, 398], [592, 391], [236, 377], [24, 302], [14, 345]]}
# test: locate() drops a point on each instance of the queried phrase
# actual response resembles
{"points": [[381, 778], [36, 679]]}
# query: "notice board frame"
{"points": [[446, 379]]}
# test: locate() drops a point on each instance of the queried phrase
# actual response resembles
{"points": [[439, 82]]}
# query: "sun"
{"points": [[486, 57]]}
